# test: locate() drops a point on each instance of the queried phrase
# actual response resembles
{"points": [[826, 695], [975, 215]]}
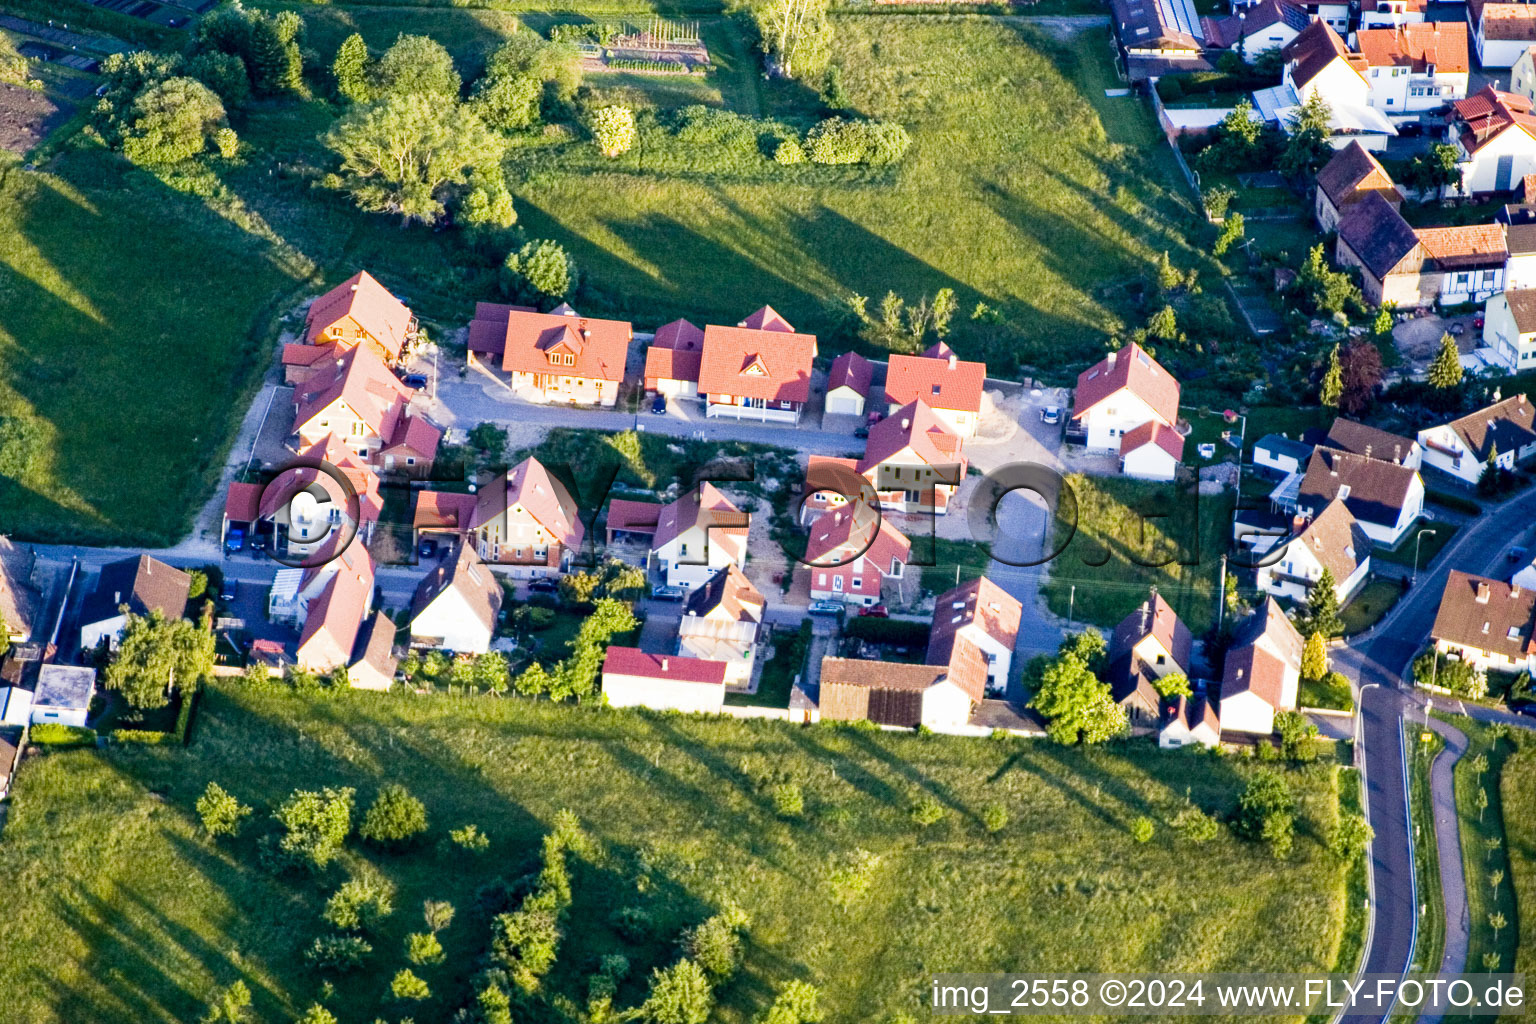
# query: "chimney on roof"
{"points": [[953, 359], [1514, 591], [1367, 451], [1298, 523], [906, 423], [1483, 591], [1111, 360], [354, 288], [117, 598], [664, 663]]}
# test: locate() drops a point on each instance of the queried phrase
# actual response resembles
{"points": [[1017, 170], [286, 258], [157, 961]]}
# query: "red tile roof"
{"points": [[944, 383], [1419, 45], [851, 370], [358, 377], [1134, 370], [771, 364], [443, 510], [415, 434], [632, 661], [1485, 115], [842, 538], [243, 502], [980, 601], [1314, 49], [488, 330], [298, 354], [633, 516], [1511, 21], [915, 427], [705, 507], [544, 498], [1465, 244], [336, 615], [766, 319], [1153, 432], [357, 472], [674, 354], [598, 347], [370, 305]]}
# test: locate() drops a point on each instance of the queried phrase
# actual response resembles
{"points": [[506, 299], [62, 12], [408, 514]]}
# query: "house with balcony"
{"points": [[1423, 266], [554, 358], [1266, 25], [947, 384], [1502, 433], [1494, 134], [359, 311], [1391, 13], [697, 535], [1486, 623], [1331, 540], [525, 522], [355, 398], [1317, 62], [132, 586], [1415, 69], [758, 370], [912, 461], [305, 508], [1120, 393], [333, 600]]}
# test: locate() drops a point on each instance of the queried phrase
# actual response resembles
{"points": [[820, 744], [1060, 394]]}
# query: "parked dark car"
{"points": [[228, 591], [543, 587], [1410, 129], [427, 548], [235, 540], [659, 405], [668, 594], [414, 380], [861, 432]]}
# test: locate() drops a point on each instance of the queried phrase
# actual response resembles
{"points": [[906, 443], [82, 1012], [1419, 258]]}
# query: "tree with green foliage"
{"points": [[679, 994], [577, 674], [315, 825], [613, 129], [171, 121], [275, 56], [798, 1002], [231, 1006], [395, 817], [407, 987], [540, 269], [1498, 922], [1174, 684], [220, 812], [1195, 825], [5, 636], [416, 66], [715, 944], [1323, 606], [1308, 148], [1265, 811], [1329, 291], [490, 671], [797, 34], [1296, 734], [225, 74], [351, 68], [1164, 324], [1231, 234], [156, 656], [943, 311], [1496, 879], [526, 54], [1314, 658], [1445, 369], [402, 154], [1332, 388], [508, 102], [423, 949], [316, 1014], [1431, 172], [1350, 836], [843, 140], [437, 914], [1076, 704], [1217, 200], [338, 953], [1381, 327]]}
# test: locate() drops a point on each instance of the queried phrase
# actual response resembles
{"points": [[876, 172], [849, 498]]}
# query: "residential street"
{"points": [[1376, 663]]}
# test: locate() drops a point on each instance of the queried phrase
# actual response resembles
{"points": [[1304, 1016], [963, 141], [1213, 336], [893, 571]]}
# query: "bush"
{"points": [[716, 944], [711, 126], [362, 903], [788, 800], [471, 838], [221, 813], [887, 631], [423, 948], [338, 952], [789, 151], [634, 924], [613, 129], [406, 985], [839, 140], [1142, 829], [395, 818], [994, 817], [928, 811], [540, 269], [54, 734]]}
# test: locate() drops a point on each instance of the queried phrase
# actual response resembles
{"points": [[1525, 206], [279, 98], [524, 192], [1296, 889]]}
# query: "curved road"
{"points": [[1376, 663]]}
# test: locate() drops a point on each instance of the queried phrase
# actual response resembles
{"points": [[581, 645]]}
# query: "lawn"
{"points": [[1436, 536], [946, 563], [1370, 603], [1430, 943], [134, 325], [778, 674], [1208, 424], [120, 910], [1131, 536], [1517, 793]]}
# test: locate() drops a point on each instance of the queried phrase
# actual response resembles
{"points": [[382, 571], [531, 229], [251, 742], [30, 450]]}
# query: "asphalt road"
{"points": [[1377, 662]]}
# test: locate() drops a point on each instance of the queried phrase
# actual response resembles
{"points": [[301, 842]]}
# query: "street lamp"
{"points": [[1417, 541]]}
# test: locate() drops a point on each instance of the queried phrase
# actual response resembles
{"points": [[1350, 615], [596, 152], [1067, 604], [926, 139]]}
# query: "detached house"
{"points": [[849, 556], [1495, 138], [1148, 644], [1190, 720], [1463, 448], [1317, 62], [672, 360], [1263, 671], [558, 357], [949, 386], [1266, 25], [1509, 329], [1125, 390], [1333, 541], [1159, 38], [1486, 623], [1501, 32], [20, 602], [667, 682], [848, 384], [526, 521], [760, 369], [143, 585], [1416, 68], [360, 311], [456, 605], [304, 508], [333, 600], [355, 397], [1385, 498], [984, 614], [721, 622], [697, 535], [1344, 180], [912, 460], [1351, 436]]}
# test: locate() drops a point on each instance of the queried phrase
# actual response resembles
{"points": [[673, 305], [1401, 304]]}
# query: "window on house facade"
{"points": [[837, 583]]}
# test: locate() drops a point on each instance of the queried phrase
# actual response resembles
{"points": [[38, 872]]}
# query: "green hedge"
{"points": [[56, 734], [840, 140], [1459, 502], [887, 631], [145, 737], [670, 67]]}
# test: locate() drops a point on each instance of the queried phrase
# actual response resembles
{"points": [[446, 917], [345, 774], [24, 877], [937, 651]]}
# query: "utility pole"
{"points": [[1071, 604], [1221, 602]]}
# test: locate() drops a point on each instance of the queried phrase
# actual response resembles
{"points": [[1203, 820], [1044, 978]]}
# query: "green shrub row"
{"points": [[1458, 502], [144, 737], [56, 734], [670, 67], [839, 140], [887, 631]]}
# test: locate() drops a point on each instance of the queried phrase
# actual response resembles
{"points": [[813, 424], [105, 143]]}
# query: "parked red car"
{"points": [[877, 611]]}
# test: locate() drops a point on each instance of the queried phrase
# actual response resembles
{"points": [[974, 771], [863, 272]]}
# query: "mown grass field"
{"points": [[119, 910], [1479, 859], [132, 331], [1517, 793], [1133, 535]]}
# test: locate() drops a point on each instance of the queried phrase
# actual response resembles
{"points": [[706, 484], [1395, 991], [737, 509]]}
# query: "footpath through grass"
{"points": [[133, 326], [120, 911], [1429, 949]]}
